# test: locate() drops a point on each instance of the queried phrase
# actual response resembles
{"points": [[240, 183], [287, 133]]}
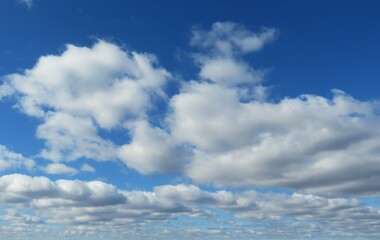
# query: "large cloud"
{"points": [[318, 144], [310, 142], [84, 90]]}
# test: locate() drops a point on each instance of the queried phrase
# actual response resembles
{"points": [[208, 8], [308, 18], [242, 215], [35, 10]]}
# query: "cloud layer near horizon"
{"points": [[89, 205], [221, 128]]}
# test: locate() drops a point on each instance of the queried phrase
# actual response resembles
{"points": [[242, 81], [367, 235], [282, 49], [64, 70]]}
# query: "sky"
{"points": [[189, 119]]}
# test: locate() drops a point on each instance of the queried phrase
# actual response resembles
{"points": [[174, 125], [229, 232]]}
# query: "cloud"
{"points": [[42, 192], [87, 168], [302, 143], [228, 38], [10, 159], [225, 70], [312, 143], [219, 129], [84, 90], [90, 205], [28, 3], [153, 150], [221, 49], [59, 168], [75, 137]]}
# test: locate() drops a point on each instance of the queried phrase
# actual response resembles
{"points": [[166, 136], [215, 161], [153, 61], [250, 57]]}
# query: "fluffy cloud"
{"points": [[294, 143], [59, 168], [226, 70], [10, 159], [152, 150], [89, 205], [218, 128], [313, 143], [42, 192], [221, 47], [82, 90], [75, 136]]}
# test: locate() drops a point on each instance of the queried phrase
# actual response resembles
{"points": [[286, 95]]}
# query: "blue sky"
{"points": [[189, 119]]}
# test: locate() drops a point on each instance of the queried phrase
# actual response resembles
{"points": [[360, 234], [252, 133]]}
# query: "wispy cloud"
{"points": [[28, 3]]}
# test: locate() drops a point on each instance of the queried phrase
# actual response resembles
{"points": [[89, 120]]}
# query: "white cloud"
{"points": [[239, 139], [10, 159], [228, 71], [152, 150], [87, 168], [90, 205], [309, 143], [86, 89], [294, 143], [221, 49], [228, 38], [69, 137], [42, 192], [59, 168]]}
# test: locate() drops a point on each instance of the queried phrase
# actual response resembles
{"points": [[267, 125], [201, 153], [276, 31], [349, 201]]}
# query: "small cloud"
{"points": [[59, 168], [28, 3], [10, 159], [87, 168]]}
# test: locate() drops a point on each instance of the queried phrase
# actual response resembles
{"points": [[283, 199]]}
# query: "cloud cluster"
{"points": [[90, 205], [313, 143], [219, 129]]}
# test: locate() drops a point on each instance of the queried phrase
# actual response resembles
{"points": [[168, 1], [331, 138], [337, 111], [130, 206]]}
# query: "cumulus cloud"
{"points": [[90, 205], [219, 129], [59, 168], [10, 159], [70, 137], [42, 192], [313, 143], [84, 90], [226, 70], [152, 150], [294, 143]]}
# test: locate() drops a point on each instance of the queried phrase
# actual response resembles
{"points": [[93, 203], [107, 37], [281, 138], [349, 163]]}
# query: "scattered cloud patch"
{"points": [[10, 159], [28, 3], [59, 168], [229, 38], [87, 168]]}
